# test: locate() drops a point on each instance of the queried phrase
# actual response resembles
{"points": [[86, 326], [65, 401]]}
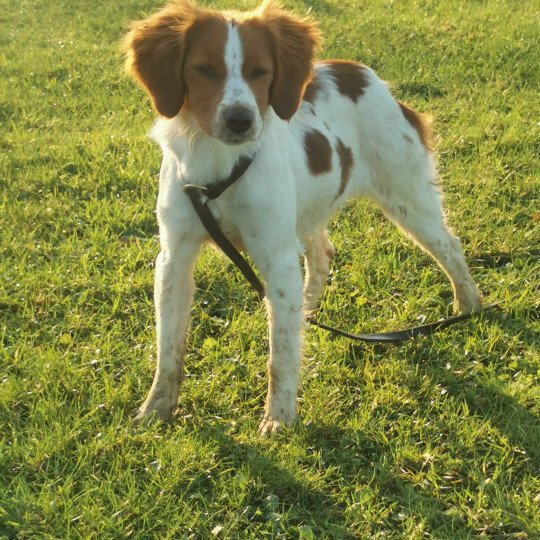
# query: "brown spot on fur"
{"points": [[318, 152], [346, 162], [350, 77], [421, 124], [312, 91], [207, 37]]}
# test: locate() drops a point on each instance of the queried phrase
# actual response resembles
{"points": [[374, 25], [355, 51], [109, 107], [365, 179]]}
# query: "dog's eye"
{"points": [[207, 70], [258, 72]]}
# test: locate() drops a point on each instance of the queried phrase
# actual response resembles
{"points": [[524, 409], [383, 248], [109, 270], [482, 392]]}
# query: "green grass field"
{"points": [[438, 438]]}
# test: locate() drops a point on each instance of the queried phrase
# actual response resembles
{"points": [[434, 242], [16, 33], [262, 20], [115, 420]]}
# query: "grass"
{"points": [[438, 438]]}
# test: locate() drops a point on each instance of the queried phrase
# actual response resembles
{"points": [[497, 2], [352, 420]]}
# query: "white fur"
{"points": [[279, 210]]}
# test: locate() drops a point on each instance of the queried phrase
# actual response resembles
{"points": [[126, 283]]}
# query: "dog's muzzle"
{"points": [[238, 125]]}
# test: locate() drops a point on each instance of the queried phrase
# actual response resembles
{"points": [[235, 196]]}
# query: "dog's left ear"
{"points": [[296, 41]]}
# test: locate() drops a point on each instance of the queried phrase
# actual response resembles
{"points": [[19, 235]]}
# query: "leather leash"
{"points": [[200, 195], [197, 196]]}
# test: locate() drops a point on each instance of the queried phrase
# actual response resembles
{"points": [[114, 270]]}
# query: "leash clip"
{"points": [[202, 190]]}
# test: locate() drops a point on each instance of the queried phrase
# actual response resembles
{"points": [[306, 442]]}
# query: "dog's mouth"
{"points": [[235, 140]]}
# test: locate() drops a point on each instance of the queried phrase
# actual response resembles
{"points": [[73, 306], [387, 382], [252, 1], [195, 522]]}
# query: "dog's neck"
{"points": [[201, 157]]}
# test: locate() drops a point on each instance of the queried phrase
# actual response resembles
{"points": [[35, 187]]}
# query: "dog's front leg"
{"points": [[284, 294], [173, 294]]}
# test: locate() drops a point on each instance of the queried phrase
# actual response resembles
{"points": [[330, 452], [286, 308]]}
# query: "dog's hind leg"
{"points": [[173, 294], [318, 256], [414, 204]]}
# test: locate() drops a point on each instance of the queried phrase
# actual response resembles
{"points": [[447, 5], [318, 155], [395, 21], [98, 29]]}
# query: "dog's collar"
{"points": [[215, 189], [200, 205]]}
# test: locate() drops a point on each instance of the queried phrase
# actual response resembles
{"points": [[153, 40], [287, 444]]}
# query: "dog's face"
{"points": [[227, 72], [223, 68]]}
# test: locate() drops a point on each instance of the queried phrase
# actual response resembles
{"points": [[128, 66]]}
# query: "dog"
{"points": [[228, 85]]}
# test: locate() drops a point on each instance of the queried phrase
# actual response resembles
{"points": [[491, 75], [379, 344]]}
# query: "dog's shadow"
{"points": [[484, 398], [272, 494], [324, 510], [366, 463], [366, 466]]}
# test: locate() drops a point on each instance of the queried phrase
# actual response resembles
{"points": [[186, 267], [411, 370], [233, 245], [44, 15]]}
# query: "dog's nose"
{"points": [[238, 119]]}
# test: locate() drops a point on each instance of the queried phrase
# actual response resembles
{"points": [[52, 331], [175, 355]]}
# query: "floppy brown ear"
{"points": [[296, 41], [155, 54]]}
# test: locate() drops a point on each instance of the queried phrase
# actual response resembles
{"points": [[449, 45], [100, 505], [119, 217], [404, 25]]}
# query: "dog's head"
{"points": [[224, 68]]}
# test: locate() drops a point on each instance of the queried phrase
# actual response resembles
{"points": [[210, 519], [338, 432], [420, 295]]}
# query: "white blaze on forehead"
{"points": [[236, 91]]}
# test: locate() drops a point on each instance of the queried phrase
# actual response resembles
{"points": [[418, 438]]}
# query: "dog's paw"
{"points": [[271, 424], [268, 427], [280, 411], [154, 411], [161, 401], [469, 303]]}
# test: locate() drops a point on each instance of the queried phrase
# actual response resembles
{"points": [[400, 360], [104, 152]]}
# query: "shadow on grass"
{"points": [[487, 399], [274, 489], [336, 445], [426, 91]]}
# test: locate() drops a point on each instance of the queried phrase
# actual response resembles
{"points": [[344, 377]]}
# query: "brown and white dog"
{"points": [[230, 84]]}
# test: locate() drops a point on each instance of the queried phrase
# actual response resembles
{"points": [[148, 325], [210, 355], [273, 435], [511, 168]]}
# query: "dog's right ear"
{"points": [[155, 51], [296, 41]]}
